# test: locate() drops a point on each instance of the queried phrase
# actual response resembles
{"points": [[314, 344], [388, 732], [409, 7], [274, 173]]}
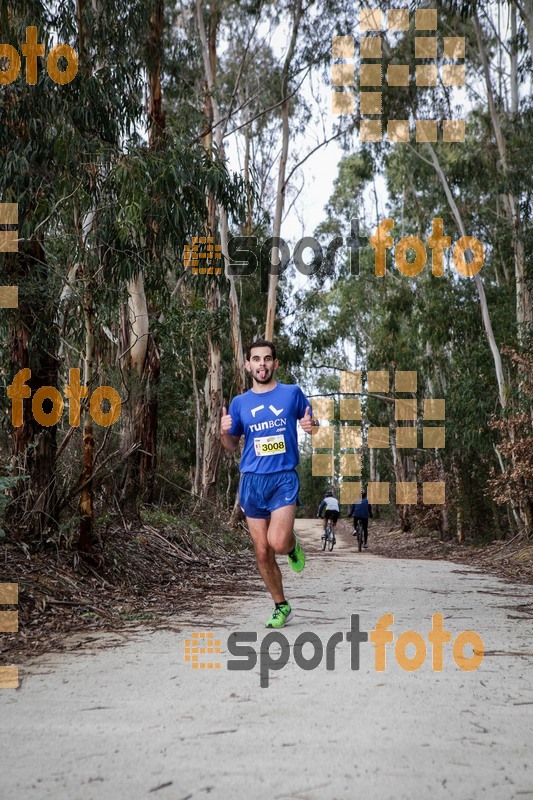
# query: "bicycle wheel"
{"points": [[360, 535], [327, 540], [325, 537], [331, 540]]}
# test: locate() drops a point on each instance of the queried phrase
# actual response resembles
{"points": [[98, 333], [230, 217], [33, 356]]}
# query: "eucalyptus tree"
{"points": [[98, 207]]}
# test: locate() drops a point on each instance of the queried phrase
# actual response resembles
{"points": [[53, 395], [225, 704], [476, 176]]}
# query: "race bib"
{"points": [[270, 445]]}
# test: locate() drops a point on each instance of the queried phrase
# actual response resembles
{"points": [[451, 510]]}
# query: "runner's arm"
{"points": [[230, 442]]}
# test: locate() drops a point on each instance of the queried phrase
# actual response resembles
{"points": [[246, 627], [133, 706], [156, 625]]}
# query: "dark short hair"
{"points": [[261, 343], [363, 495]]}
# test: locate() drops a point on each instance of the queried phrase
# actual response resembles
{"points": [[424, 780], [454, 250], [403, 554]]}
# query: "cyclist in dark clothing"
{"points": [[361, 511]]}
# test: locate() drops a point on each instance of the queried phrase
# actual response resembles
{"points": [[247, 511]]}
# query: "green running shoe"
{"points": [[280, 616], [297, 557]]}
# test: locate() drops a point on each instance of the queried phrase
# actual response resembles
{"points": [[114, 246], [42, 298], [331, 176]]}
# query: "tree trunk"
{"points": [[514, 62], [209, 55], [213, 381], [143, 358], [213, 388], [33, 445], [485, 315], [374, 476], [282, 185], [524, 304], [139, 419], [86, 506], [402, 511], [525, 7], [457, 501], [524, 300], [198, 414], [213, 399]]}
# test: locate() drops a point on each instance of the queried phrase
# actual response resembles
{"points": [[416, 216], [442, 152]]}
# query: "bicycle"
{"points": [[360, 533], [328, 537]]}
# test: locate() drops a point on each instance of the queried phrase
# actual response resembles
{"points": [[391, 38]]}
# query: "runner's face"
{"points": [[261, 365]]}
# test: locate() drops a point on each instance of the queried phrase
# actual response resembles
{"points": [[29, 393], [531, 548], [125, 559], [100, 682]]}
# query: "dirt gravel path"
{"points": [[127, 717]]}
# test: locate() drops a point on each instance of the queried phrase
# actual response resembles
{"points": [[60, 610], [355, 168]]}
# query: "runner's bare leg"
{"points": [[280, 530], [265, 557], [271, 536]]}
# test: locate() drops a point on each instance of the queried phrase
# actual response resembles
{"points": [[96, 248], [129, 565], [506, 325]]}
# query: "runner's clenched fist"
{"points": [[307, 420], [226, 422]]}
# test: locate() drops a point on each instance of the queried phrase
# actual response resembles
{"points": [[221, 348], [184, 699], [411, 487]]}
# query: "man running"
{"points": [[268, 491]]}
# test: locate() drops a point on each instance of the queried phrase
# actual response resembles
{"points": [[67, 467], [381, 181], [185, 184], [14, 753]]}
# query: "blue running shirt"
{"points": [[268, 422]]}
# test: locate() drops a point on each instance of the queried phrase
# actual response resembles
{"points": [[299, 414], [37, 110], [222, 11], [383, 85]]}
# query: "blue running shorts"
{"points": [[259, 495]]}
